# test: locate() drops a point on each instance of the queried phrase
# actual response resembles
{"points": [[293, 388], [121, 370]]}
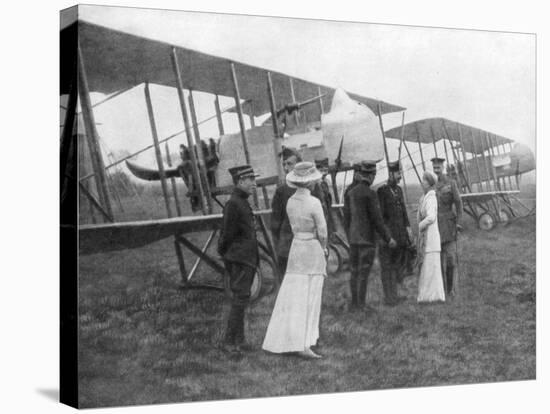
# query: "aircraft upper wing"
{"points": [[115, 61], [427, 130]]}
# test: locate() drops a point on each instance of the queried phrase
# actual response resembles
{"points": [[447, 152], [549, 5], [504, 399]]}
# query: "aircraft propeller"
{"points": [[338, 160]]}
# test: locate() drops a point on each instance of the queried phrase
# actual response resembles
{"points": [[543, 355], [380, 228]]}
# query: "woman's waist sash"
{"points": [[302, 235]]}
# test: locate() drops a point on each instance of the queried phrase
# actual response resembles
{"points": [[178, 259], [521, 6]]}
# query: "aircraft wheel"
{"points": [[344, 254], [268, 273], [504, 217], [486, 221], [264, 283], [343, 250], [254, 289], [334, 261], [257, 283]]}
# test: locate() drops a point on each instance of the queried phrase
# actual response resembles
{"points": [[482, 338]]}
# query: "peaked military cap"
{"points": [[366, 167], [242, 171], [394, 166], [437, 160]]}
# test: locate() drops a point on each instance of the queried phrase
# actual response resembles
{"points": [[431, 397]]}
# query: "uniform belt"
{"points": [[302, 235]]}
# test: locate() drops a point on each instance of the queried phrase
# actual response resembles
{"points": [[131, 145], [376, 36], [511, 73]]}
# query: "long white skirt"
{"points": [[430, 283], [294, 324]]}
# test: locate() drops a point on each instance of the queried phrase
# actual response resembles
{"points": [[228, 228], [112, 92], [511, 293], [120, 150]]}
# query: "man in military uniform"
{"points": [[186, 172], [238, 247], [211, 161], [448, 219], [362, 220], [394, 213], [355, 179], [322, 192], [280, 226]]}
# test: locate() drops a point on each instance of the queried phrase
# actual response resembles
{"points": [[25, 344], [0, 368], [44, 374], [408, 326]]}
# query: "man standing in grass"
{"points": [[448, 219], [238, 247], [362, 220], [394, 213]]}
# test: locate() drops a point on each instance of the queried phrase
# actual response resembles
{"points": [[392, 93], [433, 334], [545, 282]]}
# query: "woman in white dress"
{"points": [[294, 324], [430, 282]]}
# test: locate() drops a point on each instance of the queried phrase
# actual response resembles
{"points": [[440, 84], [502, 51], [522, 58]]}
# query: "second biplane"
{"points": [[486, 166]]}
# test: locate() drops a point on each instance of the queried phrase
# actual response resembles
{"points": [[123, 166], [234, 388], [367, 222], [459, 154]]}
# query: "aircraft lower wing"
{"points": [[485, 196], [101, 238]]}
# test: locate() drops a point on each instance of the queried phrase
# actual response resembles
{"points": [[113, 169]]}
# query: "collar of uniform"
{"points": [[240, 193], [442, 180]]}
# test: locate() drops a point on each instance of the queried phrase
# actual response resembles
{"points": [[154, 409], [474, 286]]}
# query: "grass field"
{"points": [[143, 340]]}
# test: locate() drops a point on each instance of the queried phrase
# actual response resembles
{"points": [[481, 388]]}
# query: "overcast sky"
{"points": [[485, 79]]}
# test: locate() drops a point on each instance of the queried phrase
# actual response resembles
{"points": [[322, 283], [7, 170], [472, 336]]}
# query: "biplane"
{"points": [[487, 166], [100, 59]]}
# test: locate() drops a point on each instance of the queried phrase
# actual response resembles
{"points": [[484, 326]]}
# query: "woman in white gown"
{"points": [[294, 324], [430, 282]]}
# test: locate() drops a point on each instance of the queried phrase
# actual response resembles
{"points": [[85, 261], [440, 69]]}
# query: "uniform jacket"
{"points": [[428, 230], [447, 196], [394, 212], [237, 242], [322, 192], [350, 187], [362, 217]]}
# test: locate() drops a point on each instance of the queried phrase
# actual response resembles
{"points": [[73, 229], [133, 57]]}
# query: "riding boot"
{"points": [[450, 276], [362, 292], [385, 278], [392, 284], [234, 333], [353, 290], [444, 271]]}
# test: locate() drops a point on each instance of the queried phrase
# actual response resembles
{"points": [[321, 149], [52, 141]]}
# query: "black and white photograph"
{"points": [[261, 206]]}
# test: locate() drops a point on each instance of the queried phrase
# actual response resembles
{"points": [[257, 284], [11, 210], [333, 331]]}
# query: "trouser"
{"points": [[391, 266], [448, 264], [361, 259], [240, 282], [409, 259]]}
